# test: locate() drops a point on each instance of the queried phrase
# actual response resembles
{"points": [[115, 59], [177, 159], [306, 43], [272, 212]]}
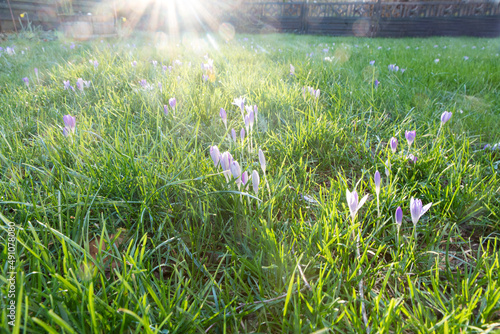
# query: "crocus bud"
{"points": [[165, 109], [410, 136], [255, 181], [376, 180], [262, 161], [242, 134], [445, 117], [399, 216], [233, 134], [26, 81], [317, 93], [172, 102], [388, 168], [394, 144], [223, 115], [215, 154], [244, 178], [235, 169]]}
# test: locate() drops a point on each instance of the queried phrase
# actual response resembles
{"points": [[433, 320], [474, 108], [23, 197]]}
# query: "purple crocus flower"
{"points": [[412, 158], [372, 62], [72, 46], [466, 58], [233, 135], [164, 67], [160, 87], [242, 134], [79, 84], [436, 60], [410, 136], [36, 72], [417, 210], [262, 160], [172, 102], [352, 201], [376, 83], [204, 77], [143, 83], [255, 181], [394, 144], [69, 124], [165, 109], [377, 180], [399, 216], [26, 81], [134, 63], [391, 67], [445, 117], [240, 102], [96, 63], [244, 178], [236, 170], [215, 154], [223, 116]]}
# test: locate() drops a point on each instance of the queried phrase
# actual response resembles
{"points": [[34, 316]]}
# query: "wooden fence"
{"points": [[383, 19]]}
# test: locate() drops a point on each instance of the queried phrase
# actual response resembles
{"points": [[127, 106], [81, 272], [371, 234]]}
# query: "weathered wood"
{"points": [[384, 19]]}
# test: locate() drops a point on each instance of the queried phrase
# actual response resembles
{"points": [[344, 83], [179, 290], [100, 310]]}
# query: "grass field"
{"points": [[124, 223]]}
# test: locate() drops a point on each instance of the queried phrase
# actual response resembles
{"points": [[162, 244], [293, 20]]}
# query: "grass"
{"points": [[126, 226]]}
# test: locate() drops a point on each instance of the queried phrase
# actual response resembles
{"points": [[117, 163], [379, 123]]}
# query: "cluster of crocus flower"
{"points": [[231, 169], [81, 84], [315, 93], [172, 102], [69, 125]]}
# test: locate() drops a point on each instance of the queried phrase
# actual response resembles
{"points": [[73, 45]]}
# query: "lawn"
{"points": [[122, 212]]}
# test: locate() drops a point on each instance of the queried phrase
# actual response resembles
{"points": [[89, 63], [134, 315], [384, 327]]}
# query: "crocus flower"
{"points": [[223, 115], [160, 87], [292, 70], [236, 170], [134, 63], [396, 68], [165, 109], [233, 135], [394, 144], [36, 72], [352, 201], [244, 178], [372, 62], [69, 124], [391, 67], [154, 62], [436, 60], [26, 81], [377, 180], [240, 102], [143, 83], [466, 58], [242, 134], [445, 117], [399, 216], [412, 158], [255, 181], [417, 210], [262, 160], [410, 136], [376, 83], [204, 77], [96, 63], [164, 67], [79, 84], [388, 167], [172, 102], [317, 93]]}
